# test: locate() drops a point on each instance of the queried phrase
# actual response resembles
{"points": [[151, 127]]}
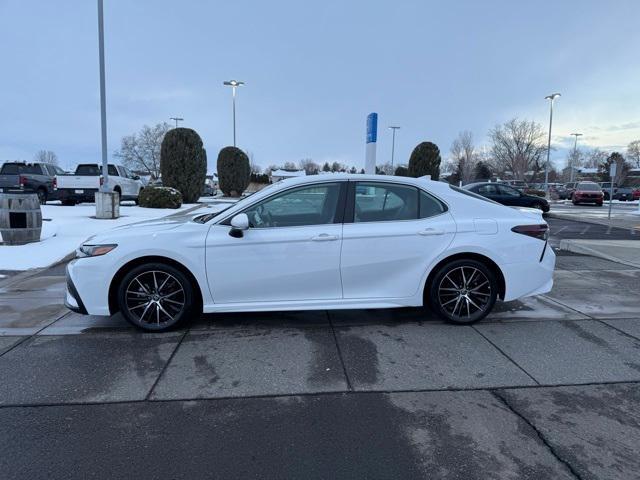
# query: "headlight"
{"points": [[94, 250]]}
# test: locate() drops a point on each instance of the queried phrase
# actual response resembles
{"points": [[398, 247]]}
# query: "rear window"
{"points": [[471, 194], [20, 169], [95, 170], [589, 187]]}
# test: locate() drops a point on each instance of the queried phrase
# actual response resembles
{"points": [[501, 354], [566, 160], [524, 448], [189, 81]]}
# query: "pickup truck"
{"points": [[82, 185], [22, 177]]}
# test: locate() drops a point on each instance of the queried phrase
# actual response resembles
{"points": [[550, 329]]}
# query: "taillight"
{"points": [[55, 182], [22, 180], [541, 232]]}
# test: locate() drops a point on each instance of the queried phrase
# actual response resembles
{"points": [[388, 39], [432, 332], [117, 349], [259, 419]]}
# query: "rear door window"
{"points": [[385, 202]]}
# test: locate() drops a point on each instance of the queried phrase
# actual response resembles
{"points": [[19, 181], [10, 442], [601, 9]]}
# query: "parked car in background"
{"points": [[588, 192], [22, 177], [82, 185], [562, 192], [606, 189], [506, 195], [636, 193], [344, 242], [570, 187], [519, 184], [209, 188], [624, 194]]}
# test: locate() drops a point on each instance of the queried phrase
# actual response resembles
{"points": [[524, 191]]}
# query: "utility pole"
{"points": [[551, 98], [575, 153], [393, 142], [176, 119], [234, 84]]}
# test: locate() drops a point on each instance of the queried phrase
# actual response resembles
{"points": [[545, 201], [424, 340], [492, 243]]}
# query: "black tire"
{"points": [[447, 287], [574, 202], [42, 196], [147, 288], [137, 199]]}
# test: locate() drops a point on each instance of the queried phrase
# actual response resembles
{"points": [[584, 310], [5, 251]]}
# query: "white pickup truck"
{"points": [[82, 185]]}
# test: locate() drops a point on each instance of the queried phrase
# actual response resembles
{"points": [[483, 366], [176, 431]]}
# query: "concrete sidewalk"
{"points": [[626, 252]]}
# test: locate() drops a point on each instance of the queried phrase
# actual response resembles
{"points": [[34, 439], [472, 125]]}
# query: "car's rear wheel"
{"points": [[42, 196], [156, 297], [463, 291]]}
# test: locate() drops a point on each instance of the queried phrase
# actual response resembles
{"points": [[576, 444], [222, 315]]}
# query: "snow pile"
{"points": [[65, 228]]}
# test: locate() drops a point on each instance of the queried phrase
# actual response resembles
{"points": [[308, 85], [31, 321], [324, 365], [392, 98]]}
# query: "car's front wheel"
{"points": [[463, 291], [156, 297]]}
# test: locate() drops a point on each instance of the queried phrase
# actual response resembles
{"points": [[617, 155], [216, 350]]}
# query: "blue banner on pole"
{"points": [[372, 128]]}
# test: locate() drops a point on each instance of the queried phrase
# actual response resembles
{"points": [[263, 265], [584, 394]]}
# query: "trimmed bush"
{"points": [[160, 197], [183, 163], [425, 160], [234, 171]]}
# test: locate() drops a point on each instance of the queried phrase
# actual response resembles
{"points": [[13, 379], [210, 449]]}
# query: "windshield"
{"points": [[590, 187]]}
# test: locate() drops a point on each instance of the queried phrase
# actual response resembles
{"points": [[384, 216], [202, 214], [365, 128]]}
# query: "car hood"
{"points": [[146, 227]]}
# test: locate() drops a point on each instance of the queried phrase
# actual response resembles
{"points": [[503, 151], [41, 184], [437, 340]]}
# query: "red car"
{"points": [[588, 192], [636, 193]]}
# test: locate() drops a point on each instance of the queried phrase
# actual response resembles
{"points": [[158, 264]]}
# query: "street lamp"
{"points": [[103, 102], [233, 84], [551, 98], [393, 142], [176, 119], [575, 152]]}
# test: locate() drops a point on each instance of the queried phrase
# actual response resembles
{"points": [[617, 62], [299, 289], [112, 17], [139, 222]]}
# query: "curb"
{"points": [[570, 246]]}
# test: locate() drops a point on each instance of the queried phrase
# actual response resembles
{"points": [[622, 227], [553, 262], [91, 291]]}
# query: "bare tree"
{"points": [[594, 158], [464, 156], [518, 146], [141, 151], [385, 168], [46, 156], [255, 168], [633, 153], [309, 166]]}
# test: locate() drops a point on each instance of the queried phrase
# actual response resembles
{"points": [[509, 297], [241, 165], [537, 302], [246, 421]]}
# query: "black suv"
{"points": [[22, 177], [507, 195]]}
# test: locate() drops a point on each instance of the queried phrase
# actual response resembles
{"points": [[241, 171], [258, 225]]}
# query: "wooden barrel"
{"points": [[20, 218]]}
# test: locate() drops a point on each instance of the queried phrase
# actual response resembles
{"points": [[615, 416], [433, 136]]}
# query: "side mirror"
{"points": [[239, 223], [136, 177]]}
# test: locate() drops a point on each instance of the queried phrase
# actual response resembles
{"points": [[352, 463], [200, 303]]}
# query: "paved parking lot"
{"points": [[547, 387]]}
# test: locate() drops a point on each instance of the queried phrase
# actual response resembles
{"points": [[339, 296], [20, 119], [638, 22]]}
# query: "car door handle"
{"points": [[324, 237], [431, 231]]}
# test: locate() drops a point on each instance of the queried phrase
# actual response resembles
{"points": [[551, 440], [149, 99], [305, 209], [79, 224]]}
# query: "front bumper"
{"points": [[72, 298]]}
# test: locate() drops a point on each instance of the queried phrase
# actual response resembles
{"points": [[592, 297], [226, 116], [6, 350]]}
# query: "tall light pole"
{"points": [[176, 119], [551, 98], [234, 84], [575, 152], [103, 101], [393, 142]]}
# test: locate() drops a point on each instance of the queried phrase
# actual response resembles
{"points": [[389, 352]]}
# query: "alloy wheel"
{"points": [[464, 292], [155, 297]]}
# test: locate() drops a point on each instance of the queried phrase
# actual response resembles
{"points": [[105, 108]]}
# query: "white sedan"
{"points": [[319, 242]]}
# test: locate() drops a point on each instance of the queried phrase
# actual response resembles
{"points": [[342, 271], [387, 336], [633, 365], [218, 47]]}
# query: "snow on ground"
{"points": [[65, 228]]}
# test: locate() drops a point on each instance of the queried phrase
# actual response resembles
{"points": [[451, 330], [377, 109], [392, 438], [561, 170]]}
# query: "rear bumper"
{"points": [[523, 279], [87, 195]]}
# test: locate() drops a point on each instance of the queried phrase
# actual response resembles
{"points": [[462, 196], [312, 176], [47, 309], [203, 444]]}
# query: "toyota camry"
{"points": [[318, 242]]}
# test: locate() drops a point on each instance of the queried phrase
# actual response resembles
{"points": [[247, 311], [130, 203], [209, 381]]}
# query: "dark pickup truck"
{"points": [[22, 177]]}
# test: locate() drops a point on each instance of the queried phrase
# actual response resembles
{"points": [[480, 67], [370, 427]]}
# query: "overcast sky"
{"points": [[314, 70]]}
